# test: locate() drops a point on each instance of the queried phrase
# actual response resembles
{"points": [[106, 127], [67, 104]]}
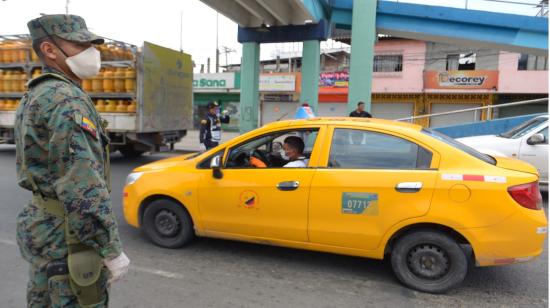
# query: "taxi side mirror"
{"points": [[536, 139], [215, 165]]}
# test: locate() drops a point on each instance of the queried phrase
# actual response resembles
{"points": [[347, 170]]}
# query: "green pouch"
{"points": [[85, 266]]}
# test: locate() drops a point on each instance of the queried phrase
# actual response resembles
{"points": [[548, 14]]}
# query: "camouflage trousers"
{"points": [[56, 291]]}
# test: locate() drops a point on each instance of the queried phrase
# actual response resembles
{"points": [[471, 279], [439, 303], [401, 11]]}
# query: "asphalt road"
{"points": [[219, 273]]}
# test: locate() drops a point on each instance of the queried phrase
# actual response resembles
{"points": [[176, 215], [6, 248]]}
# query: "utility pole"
{"points": [[226, 50], [217, 50], [181, 31], [67, 7]]}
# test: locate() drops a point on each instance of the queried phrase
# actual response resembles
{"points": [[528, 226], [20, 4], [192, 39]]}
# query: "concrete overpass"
{"points": [[311, 21]]}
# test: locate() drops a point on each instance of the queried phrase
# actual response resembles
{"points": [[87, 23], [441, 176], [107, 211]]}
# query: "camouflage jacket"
{"points": [[60, 140]]}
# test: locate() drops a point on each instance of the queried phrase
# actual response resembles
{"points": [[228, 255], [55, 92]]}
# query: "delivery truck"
{"points": [[145, 93]]}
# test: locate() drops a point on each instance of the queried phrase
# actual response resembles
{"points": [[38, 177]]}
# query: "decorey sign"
{"points": [[461, 80], [214, 81]]}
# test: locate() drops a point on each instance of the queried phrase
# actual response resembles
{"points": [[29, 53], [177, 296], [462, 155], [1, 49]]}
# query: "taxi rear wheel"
{"points": [[429, 261], [167, 223]]}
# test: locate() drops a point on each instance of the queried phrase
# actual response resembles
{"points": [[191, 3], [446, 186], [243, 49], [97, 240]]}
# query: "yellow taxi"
{"points": [[362, 187]]}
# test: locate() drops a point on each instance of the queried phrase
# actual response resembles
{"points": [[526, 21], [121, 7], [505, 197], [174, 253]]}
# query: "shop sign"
{"points": [[461, 80], [277, 83], [214, 81], [334, 79], [279, 98]]}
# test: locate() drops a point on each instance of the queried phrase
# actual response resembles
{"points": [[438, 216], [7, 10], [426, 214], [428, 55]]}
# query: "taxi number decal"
{"points": [[360, 203]]}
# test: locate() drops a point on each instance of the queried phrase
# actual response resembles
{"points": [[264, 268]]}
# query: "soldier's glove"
{"points": [[117, 266], [225, 112], [202, 147]]}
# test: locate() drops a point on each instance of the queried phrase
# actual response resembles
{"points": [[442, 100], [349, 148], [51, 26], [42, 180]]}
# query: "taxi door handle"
{"points": [[288, 185], [409, 187]]}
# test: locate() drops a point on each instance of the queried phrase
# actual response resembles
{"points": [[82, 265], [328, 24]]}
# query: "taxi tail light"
{"points": [[527, 195]]}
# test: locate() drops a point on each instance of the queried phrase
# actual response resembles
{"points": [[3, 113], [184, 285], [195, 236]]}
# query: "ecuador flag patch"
{"points": [[86, 124]]}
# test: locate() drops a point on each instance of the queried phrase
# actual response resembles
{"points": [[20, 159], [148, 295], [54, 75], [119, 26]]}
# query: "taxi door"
{"points": [[371, 180], [268, 203]]}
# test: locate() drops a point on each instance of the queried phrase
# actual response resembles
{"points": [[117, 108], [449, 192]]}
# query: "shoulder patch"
{"points": [[86, 124], [203, 122]]}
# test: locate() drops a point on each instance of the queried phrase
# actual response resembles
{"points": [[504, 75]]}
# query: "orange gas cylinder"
{"points": [[8, 81], [10, 103], [119, 76], [97, 82], [34, 56], [7, 54], [108, 81], [21, 55], [22, 82], [1, 81], [121, 106], [100, 105], [87, 85], [110, 106], [2, 104], [37, 72], [130, 80], [132, 107]]}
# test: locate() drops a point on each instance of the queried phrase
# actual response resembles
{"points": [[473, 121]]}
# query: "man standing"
{"points": [[210, 133], [360, 111], [67, 232]]}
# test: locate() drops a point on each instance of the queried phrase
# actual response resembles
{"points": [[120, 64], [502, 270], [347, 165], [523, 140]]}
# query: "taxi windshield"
{"points": [[523, 128], [464, 148]]}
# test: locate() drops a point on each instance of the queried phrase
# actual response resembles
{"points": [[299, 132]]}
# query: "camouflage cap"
{"points": [[68, 27]]}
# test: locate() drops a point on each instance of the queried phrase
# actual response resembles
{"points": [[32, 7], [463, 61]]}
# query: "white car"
{"points": [[527, 141]]}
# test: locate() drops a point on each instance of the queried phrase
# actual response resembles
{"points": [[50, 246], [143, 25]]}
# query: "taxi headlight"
{"points": [[133, 177]]}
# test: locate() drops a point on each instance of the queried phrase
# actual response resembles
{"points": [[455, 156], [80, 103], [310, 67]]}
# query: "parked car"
{"points": [[527, 141], [371, 188]]}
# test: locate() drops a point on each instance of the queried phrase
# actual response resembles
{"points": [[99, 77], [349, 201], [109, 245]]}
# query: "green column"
{"points": [[363, 37], [311, 66], [250, 98]]}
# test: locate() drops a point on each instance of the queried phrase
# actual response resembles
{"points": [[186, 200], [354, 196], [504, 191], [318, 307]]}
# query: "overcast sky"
{"points": [[159, 22]]}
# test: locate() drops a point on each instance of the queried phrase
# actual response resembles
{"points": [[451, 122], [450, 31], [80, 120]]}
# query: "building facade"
{"points": [[410, 78]]}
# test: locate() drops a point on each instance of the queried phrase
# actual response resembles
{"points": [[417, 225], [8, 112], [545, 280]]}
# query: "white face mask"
{"points": [[86, 64]]}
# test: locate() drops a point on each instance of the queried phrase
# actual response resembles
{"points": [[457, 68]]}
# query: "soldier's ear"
{"points": [[48, 50]]}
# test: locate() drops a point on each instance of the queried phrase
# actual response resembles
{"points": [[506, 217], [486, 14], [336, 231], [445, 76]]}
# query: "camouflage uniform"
{"points": [[61, 154]]}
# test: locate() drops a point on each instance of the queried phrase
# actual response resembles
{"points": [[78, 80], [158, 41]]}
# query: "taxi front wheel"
{"points": [[429, 261], [167, 223]]}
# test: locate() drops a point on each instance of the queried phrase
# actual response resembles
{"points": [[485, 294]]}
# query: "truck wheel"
{"points": [[128, 151], [167, 224], [429, 261]]}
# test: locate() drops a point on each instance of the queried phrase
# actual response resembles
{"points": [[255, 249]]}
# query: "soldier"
{"points": [[67, 232], [211, 129]]}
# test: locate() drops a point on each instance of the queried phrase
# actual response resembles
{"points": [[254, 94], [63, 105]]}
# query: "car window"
{"points": [[205, 163], [523, 128], [267, 151], [361, 149], [544, 132], [458, 145]]}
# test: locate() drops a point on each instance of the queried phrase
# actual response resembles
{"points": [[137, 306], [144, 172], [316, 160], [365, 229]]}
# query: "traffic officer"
{"points": [[68, 231], [360, 111], [210, 133]]}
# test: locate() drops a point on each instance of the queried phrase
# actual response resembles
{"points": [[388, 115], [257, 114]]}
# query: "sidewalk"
{"points": [[190, 143]]}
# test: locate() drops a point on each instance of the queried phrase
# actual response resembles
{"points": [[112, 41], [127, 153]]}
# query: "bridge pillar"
{"points": [[250, 96], [310, 74], [363, 37]]}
